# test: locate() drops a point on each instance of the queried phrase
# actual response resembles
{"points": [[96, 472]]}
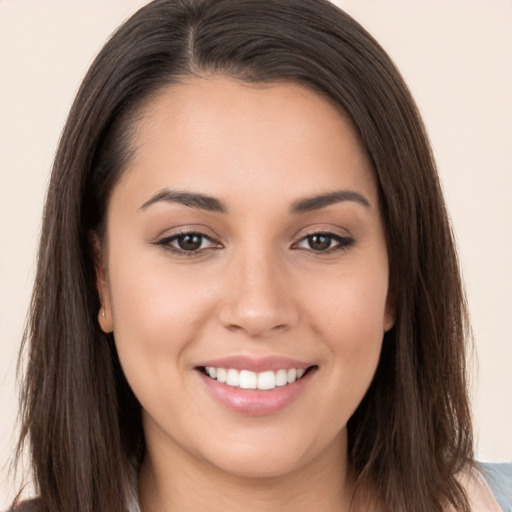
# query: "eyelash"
{"points": [[342, 243], [168, 240]]}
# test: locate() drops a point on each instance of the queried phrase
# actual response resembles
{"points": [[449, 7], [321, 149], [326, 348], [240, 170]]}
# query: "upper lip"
{"points": [[256, 364]]}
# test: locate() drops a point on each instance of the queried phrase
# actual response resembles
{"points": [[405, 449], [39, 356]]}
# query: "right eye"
{"points": [[188, 244]]}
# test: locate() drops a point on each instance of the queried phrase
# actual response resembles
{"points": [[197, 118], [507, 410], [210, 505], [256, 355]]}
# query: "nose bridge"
{"points": [[257, 300]]}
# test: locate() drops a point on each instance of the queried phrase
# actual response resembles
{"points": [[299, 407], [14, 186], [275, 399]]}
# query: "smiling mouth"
{"points": [[246, 379]]}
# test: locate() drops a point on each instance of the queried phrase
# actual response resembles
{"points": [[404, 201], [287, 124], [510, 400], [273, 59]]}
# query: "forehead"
{"points": [[217, 135]]}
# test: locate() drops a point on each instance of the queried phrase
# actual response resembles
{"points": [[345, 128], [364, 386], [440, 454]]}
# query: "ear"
{"points": [[389, 311], [102, 286]]}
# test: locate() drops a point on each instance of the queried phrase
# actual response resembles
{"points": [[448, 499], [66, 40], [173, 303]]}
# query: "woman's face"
{"points": [[245, 240]]}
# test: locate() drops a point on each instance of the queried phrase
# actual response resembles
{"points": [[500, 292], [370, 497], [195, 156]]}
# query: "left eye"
{"points": [[188, 242], [324, 242]]}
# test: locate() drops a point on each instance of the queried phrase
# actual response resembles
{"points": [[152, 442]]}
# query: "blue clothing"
{"points": [[499, 479]]}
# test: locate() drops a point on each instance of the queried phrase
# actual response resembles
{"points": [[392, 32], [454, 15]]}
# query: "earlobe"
{"points": [[389, 313], [105, 312], [105, 319], [389, 321]]}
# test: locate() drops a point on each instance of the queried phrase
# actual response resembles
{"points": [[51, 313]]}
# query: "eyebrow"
{"points": [[208, 203], [192, 200], [310, 204]]}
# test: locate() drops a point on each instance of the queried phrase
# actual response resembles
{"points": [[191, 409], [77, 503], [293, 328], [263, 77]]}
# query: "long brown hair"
{"points": [[411, 434]]}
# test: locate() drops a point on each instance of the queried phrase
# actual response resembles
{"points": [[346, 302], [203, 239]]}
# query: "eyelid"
{"points": [[166, 240], [320, 226], [344, 241]]}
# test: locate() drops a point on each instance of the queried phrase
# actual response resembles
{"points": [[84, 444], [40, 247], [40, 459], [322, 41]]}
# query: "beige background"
{"points": [[456, 56]]}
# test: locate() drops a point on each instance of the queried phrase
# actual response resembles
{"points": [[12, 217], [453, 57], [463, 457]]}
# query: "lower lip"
{"points": [[256, 402]]}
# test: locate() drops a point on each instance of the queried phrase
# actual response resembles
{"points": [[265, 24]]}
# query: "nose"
{"points": [[258, 298]]}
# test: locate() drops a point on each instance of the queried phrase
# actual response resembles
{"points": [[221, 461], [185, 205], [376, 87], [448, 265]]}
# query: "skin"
{"points": [[257, 288]]}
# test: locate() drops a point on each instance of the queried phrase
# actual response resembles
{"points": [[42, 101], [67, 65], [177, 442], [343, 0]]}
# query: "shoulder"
{"points": [[499, 479], [480, 495]]}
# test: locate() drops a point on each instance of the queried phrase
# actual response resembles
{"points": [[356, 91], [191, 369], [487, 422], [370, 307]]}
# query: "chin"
{"points": [[260, 466], [263, 459]]}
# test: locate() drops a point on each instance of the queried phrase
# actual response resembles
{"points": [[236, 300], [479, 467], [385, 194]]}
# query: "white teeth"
{"points": [[281, 378], [267, 380], [247, 379], [233, 378], [291, 375]]}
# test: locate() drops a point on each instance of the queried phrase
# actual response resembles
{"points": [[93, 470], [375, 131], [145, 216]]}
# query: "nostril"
{"points": [[258, 315]]}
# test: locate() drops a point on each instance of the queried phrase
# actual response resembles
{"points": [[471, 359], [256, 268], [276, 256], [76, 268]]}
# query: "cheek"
{"points": [[156, 320], [352, 303], [151, 300], [349, 315], [157, 313]]}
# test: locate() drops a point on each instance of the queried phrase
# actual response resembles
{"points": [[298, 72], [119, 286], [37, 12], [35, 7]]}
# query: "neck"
{"points": [[325, 483]]}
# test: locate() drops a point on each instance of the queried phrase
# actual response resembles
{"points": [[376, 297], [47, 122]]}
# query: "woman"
{"points": [[247, 290]]}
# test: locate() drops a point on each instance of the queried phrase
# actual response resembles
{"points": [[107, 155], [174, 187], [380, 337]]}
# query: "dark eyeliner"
{"points": [[166, 241], [344, 242]]}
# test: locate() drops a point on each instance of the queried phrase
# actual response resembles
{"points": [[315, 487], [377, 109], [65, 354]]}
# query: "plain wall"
{"points": [[456, 56]]}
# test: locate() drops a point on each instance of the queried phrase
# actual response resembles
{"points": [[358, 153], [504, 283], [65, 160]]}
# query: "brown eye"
{"points": [[190, 242], [319, 242], [324, 242]]}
